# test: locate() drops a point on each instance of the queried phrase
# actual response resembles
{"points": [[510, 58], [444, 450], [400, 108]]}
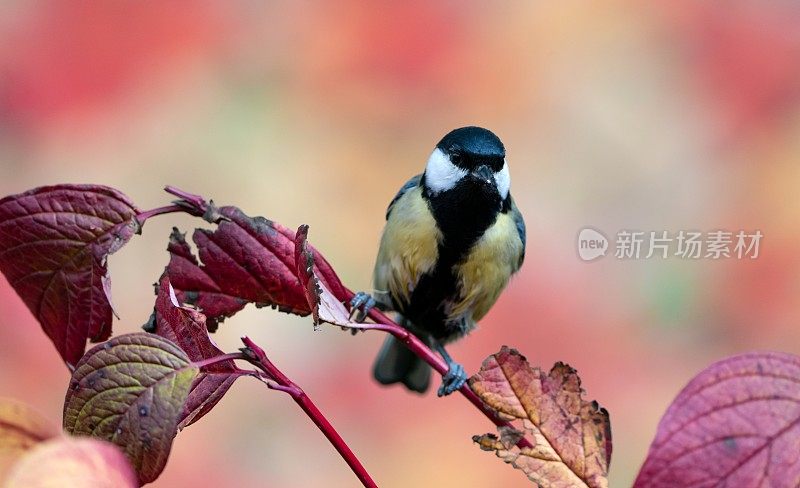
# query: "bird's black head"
{"points": [[471, 160], [470, 147]]}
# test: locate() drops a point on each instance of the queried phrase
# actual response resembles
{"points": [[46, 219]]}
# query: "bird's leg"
{"points": [[362, 302], [455, 377]]}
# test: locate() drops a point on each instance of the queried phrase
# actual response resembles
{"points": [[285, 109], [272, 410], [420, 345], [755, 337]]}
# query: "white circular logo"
{"points": [[592, 244]]}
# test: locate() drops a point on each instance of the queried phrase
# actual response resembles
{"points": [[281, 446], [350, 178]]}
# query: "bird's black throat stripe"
{"points": [[462, 214]]}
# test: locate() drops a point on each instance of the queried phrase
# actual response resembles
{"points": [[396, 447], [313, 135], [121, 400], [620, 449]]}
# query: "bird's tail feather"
{"points": [[397, 364]]}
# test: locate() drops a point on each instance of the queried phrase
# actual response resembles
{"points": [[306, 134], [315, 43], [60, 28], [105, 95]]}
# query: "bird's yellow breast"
{"points": [[409, 248], [487, 268]]}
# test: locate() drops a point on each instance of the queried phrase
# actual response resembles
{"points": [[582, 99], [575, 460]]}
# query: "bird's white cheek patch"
{"points": [[503, 180], [440, 173]]}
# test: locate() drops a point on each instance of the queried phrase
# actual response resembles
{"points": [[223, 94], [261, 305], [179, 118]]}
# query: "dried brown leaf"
{"points": [[571, 437]]}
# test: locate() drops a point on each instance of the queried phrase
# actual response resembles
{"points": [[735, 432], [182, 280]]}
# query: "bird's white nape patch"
{"points": [[503, 180], [440, 173]]}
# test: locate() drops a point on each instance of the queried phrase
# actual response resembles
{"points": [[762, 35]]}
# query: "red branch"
{"points": [[258, 357]]}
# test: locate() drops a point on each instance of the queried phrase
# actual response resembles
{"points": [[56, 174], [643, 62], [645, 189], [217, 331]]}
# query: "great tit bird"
{"points": [[453, 238]]}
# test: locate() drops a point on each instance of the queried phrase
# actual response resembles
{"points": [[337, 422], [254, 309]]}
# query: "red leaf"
{"points": [[737, 423], [324, 306], [54, 242], [187, 328], [246, 260], [304, 268]]}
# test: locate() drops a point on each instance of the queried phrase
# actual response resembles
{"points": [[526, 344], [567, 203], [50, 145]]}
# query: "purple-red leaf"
{"points": [[571, 437], [131, 391], [304, 270], [324, 306], [54, 242], [187, 328], [245, 260], [737, 423]]}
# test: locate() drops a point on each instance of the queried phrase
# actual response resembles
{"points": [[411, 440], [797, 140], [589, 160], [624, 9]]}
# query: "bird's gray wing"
{"points": [[412, 183], [520, 223]]}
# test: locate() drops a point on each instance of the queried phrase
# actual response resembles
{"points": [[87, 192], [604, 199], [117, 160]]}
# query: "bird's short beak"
{"points": [[484, 174]]}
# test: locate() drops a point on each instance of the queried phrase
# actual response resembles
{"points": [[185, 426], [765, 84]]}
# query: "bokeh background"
{"points": [[663, 115]]}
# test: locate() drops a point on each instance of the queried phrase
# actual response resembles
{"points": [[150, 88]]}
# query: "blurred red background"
{"points": [[634, 115]]}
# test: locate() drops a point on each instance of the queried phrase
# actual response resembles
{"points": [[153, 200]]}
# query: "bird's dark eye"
{"points": [[456, 158]]}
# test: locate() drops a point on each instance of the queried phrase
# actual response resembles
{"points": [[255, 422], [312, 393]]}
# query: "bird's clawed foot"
{"points": [[361, 303], [454, 379]]}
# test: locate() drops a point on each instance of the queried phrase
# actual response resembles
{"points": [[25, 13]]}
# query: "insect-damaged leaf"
{"points": [[21, 428], [77, 463], [571, 437], [187, 328], [131, 391], [54, 242], [245, 260], [324, 306], [735, 424]]}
